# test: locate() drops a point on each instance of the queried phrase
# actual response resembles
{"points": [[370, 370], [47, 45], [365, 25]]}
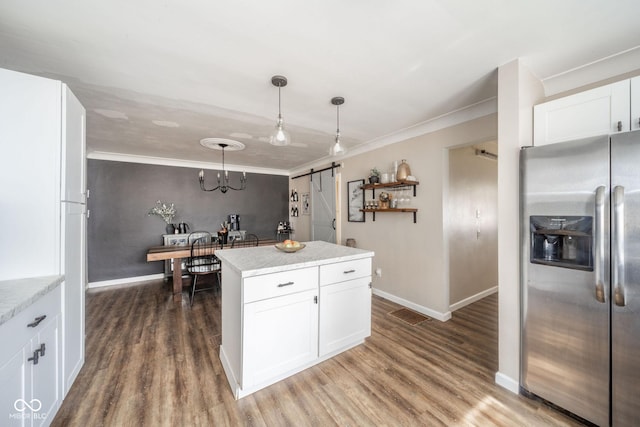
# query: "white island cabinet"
{"points": [[284, 312]]}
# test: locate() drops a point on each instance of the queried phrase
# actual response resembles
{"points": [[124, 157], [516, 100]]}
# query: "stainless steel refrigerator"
{"points": [[580, 237]]}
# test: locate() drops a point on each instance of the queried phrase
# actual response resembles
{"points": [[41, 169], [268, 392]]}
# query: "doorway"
{"points": [[472, 205], [323, 206]]}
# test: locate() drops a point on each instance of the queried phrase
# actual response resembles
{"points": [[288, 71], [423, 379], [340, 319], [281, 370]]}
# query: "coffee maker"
{"points": [[234, 222]]}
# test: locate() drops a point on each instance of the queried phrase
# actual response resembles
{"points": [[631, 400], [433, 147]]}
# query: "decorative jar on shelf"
{"points": [[403, 171]]}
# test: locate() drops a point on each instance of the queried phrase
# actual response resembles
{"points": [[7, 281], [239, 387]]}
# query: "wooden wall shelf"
{"points": [[391, 185], [373, 211], [396, 184]]}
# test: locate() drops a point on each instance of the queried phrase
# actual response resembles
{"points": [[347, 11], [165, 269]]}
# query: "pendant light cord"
{"points": [[279, 108]]}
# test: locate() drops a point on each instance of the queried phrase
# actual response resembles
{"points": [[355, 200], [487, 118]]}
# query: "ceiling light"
{"points": [[223, 184], [337, 148], [112, 114], [165, 123], [279, 136]]}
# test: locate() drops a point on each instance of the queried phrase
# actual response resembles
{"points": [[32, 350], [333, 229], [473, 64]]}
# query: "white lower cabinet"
{"points": [[31, 364], [280, 335], [345, 314]]}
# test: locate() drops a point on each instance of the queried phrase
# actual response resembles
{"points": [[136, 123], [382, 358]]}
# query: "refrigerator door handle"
{"points": [[601, 295], [617, 253]]}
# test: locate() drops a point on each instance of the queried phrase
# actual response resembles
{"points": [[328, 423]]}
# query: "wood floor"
{"points": [[150, 362]]}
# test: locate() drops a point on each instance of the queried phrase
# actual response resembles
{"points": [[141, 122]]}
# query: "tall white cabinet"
{"points": [[43, 197]]}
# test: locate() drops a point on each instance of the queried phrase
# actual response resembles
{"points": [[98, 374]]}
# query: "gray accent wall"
{"points": [[119, 231]]}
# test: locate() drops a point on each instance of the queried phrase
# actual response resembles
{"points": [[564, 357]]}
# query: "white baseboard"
{"points": [[507, 382], [125, 280], [443, 317], [473, 298]]}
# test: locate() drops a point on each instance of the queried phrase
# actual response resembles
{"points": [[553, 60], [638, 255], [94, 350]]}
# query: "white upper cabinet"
{"points": [[601, 111], [635, 103], [73, 148], [30, 130]]}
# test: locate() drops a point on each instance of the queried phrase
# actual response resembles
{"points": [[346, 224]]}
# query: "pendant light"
{"points": [[337, 148], [279, 136]]}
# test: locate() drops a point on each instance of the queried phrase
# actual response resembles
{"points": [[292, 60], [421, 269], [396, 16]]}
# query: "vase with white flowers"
{"points": [[166, 212]]}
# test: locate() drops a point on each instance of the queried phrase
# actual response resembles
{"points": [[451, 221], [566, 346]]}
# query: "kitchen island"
{"points": [[284, 312]]}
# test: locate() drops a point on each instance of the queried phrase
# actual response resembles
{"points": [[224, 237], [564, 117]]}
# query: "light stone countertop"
{"points": [[267, 259], [18, 294]]}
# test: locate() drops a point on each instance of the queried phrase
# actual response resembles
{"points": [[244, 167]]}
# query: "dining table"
{"points": [[179, 252]]}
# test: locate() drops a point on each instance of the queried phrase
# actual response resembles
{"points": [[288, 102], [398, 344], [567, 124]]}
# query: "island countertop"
{"points": [[267, 259], [18, 294]]}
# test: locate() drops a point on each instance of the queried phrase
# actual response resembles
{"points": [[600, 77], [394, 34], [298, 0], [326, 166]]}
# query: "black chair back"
{"points": [[249, 240]]}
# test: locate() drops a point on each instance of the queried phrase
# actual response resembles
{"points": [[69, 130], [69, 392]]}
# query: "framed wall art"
{"points": [[355, 195]]}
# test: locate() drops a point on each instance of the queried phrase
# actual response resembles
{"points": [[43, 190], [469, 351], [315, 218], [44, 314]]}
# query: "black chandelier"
{"points": [[223, 185]]}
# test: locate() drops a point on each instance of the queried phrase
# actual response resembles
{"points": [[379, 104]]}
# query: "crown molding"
{"points": [[162, 161], [618, 64], [456, 117]]}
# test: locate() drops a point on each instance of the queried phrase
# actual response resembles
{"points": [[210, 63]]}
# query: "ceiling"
{"points": [[158, 76]]}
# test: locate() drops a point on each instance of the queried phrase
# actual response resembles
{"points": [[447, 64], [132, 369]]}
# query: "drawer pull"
{"points": [[37, 321], [349, 271], [281, 285]]}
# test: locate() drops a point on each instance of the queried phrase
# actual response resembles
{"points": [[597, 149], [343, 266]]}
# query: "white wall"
{"points": [[413, 257], [518, 91]]}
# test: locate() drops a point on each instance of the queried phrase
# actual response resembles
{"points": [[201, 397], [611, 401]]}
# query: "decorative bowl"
{"points": [[283, 248]]}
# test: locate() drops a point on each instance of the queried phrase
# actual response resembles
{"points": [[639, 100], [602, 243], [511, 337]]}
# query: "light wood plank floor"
{"points": [[150, 362]]}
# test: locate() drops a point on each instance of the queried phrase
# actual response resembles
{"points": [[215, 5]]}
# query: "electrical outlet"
{"points": [[378, 272]]}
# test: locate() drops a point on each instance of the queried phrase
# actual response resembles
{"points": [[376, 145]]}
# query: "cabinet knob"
{"points": [[41, 349], [34, 358], [619, 125]]}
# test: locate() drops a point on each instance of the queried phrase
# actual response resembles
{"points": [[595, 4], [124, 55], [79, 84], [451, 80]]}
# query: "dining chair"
{"points": [[202, 260], [249, 240], [199, 234]]}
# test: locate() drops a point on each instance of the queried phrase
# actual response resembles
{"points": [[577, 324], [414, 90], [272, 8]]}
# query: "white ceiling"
{"points": [[206, 65]]}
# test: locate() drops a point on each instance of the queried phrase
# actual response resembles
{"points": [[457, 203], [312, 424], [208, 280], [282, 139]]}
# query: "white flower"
{"points": [[166, 212]]}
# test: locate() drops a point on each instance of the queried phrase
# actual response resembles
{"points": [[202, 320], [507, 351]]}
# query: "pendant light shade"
{"points": [[279, 136], [338, 148]]}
